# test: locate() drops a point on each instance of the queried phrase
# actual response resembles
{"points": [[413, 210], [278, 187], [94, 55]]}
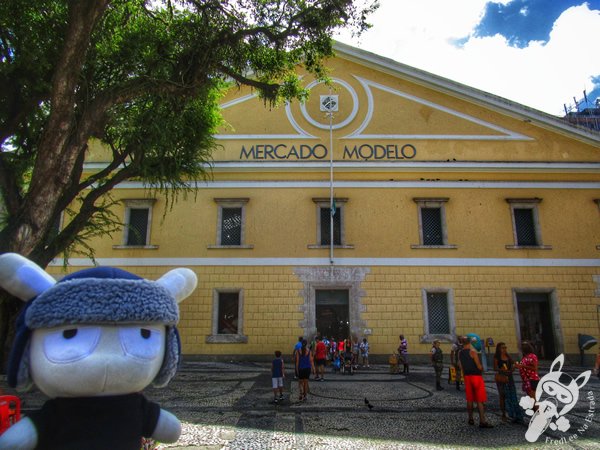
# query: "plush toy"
{"points": [[92, 342]]}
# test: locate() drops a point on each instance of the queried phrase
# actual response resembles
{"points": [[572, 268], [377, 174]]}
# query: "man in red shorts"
{"points": [[472, 369], [320, 357]]}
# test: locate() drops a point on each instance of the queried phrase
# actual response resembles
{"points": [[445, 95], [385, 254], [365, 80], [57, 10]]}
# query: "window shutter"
{"points": [[437, 312], [138, 226], [231, 226], [431, 220], [525, 226]]}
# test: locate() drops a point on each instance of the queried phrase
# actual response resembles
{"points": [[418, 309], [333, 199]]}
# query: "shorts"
{"points": [[304, 373], [277, 382], [475, 388], [320, 362]]}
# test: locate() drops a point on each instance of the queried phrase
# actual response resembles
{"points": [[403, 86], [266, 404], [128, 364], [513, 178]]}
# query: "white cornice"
{"points": [[406, 166], [468, 93], [396, 166], [295, 262], [267, 184]]}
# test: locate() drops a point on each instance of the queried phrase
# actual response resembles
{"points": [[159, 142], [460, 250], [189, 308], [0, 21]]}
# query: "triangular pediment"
{"points": [[383, 107], [377, 111]]}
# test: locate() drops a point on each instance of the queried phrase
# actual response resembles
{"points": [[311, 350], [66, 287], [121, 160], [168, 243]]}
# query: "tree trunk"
{"points": [[10, 308]]}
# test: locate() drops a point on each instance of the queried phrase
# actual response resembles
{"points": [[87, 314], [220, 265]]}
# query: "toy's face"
{"points": [[96, 360], [561, 393]]}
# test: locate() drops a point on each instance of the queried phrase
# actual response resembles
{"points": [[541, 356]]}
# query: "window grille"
{"points": [[525, 227], [431, 222], [228, 313], [138, 226], [437, 312], [337, 226], [231, 226]]}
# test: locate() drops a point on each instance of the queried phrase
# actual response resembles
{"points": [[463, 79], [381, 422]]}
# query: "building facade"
{"points": [[393, 201]]}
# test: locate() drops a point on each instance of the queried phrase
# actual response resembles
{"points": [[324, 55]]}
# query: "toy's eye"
{"points": [[141, 342], [71, 344], [70, 333]]}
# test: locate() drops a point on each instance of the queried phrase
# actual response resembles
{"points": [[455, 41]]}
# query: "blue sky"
{"points": [[540, 53]]}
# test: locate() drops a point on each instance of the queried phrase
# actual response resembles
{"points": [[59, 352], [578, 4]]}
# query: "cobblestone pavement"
{"points": [[229, 406]]}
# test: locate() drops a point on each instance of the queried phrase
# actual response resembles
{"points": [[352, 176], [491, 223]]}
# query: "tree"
{"points": [[144, 78]]}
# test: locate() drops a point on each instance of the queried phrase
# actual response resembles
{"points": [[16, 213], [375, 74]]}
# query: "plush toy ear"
{"points": [[560, 359], [179, 282], [23, 278], [583, 378]]}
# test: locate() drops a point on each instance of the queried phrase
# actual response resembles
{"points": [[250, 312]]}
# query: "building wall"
{"points": [[471, 154]]}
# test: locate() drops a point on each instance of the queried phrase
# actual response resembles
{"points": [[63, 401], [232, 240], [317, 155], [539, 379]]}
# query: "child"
{"points": [[364, 352], [277, 376], [337, 362]]}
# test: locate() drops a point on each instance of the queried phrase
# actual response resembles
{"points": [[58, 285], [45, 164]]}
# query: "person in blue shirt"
{"points": [[297, 348], [304, 367], [277, 376]]}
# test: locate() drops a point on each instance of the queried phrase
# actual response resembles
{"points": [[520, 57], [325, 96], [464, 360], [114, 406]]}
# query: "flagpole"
{"points": [[331, 187]]}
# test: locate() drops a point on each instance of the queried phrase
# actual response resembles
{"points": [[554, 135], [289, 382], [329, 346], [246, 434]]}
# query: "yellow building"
{"points": [[456, 211]]}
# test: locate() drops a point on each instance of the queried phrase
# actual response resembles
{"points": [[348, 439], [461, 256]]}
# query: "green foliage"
{"points": [[145, 78]]}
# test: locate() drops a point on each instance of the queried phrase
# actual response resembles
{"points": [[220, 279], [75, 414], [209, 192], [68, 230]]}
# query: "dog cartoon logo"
{"points": [[556, 394]]}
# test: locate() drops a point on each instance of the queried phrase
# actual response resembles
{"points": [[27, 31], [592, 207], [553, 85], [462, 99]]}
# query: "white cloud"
{"points": [[542, 76]]}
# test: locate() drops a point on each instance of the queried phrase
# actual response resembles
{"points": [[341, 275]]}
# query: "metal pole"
{"points": [[331, 187]]}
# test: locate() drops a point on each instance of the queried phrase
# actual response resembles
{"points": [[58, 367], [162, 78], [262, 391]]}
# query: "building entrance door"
{"points": [[332, 313], [536, 324]]}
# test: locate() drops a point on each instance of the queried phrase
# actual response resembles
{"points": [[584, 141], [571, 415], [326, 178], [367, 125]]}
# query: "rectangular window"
{"points": [[438, 318], [231, 220], [137, 228], [432, 223], [138, 220], [227, 317], [526, 223], [231, 226], [438, 314], [324, 217], [326, 226], [431, 220], [525, 226], [228, 313]]}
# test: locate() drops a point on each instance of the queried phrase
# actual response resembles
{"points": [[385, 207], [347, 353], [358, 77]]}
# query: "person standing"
{"points": [[437, 361], [472, 371], [456, 348], [297, 348], [403, 351], [355, 351], [304, 367], [364, 353], [320, 358], [528, 369], [277, 376], [504, 367]]}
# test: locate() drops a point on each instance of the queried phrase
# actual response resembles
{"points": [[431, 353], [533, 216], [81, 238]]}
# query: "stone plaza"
{"points": [[228, 405]]}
